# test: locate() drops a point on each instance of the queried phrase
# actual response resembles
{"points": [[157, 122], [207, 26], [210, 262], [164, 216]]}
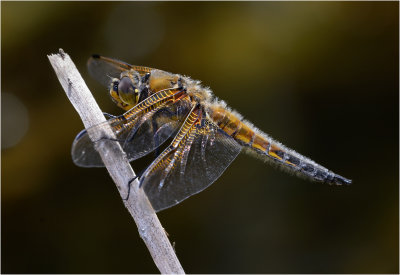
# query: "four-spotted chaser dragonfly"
{"points": [[206, 135]]}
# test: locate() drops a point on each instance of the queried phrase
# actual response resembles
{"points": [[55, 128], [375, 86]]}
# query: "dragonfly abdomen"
{"points": [[256, 142]]}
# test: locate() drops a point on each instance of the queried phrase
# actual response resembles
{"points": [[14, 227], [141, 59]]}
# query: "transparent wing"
{"points": [[103, 69], [201, 157], [138, 134]]}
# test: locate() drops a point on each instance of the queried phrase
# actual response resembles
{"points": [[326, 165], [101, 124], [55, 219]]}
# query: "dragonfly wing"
{"points": [[138, 134], [153, 129], [83, 152], [103, 69], [196, 163]]}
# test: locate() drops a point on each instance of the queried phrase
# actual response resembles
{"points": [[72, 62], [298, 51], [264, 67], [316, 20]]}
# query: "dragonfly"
{"points": [[204, 135]]}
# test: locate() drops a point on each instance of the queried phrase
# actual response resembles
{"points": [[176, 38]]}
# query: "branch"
{"points": [[114, 158]]}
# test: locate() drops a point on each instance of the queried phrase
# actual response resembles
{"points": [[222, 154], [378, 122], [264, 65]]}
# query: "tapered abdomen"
{"points": [[259, 143]]}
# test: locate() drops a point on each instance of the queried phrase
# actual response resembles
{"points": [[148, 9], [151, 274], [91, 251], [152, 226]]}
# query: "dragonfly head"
{"points": [[125, 91]]}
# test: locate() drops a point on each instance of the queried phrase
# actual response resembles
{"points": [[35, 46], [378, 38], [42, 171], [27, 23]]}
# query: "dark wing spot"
{"points": [[308, 168], [320, 175], [294, 160], [280, 153], [339, 180]]}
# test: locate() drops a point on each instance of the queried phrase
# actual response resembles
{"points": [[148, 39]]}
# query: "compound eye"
{"points": [[127, 91], [125, 86]]}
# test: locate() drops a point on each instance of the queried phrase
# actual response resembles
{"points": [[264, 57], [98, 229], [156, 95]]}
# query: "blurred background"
{"points": [[322, 78]]}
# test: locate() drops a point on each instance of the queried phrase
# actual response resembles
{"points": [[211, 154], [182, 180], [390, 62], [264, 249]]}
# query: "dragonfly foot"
{"points": [[109, 115], [129, 187]]}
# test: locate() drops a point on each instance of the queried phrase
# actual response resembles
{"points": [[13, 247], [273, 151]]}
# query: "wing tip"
{"points": [[80, 134], [339, 180]]}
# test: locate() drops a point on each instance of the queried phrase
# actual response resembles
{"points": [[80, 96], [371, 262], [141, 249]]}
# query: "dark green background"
{"points": [[322, 78]]}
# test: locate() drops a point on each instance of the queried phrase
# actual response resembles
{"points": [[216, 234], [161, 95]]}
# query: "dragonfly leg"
{"points": [[129, 187], [109, 115]]}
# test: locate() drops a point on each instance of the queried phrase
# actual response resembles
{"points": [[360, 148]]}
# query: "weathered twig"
{"points": [[114, 159]]}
